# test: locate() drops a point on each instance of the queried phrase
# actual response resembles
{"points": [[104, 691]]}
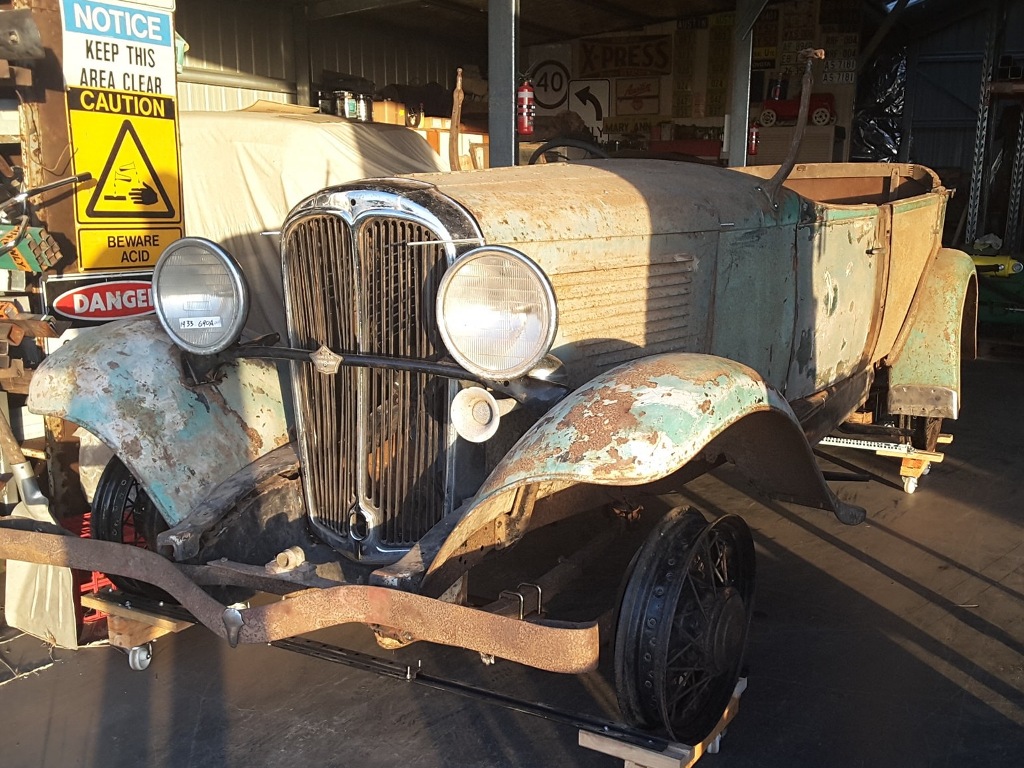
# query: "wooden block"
{"points": [[125, 633], [672, 757], [22, 76], [34, 448], [13, 333], [113, 609], [913, 467]]}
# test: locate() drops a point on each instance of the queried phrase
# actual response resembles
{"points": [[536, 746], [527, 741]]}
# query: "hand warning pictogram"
{"points": [[144, 195]]}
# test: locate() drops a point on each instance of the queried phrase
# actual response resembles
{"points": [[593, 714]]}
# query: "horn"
{"points": [[475, 414]]}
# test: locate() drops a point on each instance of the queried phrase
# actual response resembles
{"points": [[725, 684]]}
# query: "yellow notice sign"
{"points": [[129, 142]]}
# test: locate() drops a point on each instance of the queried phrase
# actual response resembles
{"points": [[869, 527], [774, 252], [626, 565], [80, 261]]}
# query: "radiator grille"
{"points": [[375, 438]]}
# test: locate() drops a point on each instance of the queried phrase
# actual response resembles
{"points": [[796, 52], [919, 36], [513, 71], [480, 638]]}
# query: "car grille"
{"points": [[373, 439]]}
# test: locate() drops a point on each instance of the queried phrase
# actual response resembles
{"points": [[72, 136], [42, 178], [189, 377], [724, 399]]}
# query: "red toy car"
{"points": [[822, 110]]}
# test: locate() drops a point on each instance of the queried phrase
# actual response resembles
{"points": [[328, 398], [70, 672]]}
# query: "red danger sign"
{"points": [[106, 301]]}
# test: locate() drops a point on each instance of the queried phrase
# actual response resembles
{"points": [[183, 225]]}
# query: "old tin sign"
{"points": [[94, 299], [119, 63]]}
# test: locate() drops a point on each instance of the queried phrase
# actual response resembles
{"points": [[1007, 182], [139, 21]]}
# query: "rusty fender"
{"points": [[123, 382], [924, 375], [555, 646], [644, 420]]}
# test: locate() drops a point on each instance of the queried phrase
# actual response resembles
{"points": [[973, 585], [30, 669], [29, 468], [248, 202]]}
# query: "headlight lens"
{"points": [[201, 296], [496, 312]]}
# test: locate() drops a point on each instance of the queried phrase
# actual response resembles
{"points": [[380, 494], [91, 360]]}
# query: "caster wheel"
{"points": [[140, 656], [909, 484]]}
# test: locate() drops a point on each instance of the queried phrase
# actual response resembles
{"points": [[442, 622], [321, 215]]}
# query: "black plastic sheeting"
{"points": [[878, 113]]}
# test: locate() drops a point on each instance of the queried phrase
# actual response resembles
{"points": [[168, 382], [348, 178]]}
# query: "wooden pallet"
{"points": [[674, 755]]}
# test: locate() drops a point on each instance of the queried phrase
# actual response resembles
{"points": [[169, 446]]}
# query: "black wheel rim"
{"points": [[123, 513], [706, 638], [684, 623]]}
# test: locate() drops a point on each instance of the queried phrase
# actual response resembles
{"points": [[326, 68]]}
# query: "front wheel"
{"points": [[123, 513], [683, 624]]}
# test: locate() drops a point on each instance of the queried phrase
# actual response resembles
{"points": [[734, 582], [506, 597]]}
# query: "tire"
{"points": [[683, 624], [768, 118], [123, 513], [924, 431]]}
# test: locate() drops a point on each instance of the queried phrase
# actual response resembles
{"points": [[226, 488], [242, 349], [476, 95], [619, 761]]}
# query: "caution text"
{"points": [[116, 103]]}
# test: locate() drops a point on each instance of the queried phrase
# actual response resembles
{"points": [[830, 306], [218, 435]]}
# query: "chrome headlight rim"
{"points": [[236, 323], [549, 301]]}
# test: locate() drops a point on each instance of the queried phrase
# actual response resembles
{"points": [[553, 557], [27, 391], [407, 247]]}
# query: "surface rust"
{"points": [[569, 648], [123, 383]]}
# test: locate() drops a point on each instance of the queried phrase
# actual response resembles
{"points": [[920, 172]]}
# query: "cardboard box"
{"points": [[391, 112], [436, 123]]}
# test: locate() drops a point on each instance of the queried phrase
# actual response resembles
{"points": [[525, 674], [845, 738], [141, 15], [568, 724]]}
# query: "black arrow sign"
{"points": [[585, 97]]}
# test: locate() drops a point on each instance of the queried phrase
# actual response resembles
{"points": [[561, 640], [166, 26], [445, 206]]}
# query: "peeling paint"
{"points": [[178, 442], [637, 422]]}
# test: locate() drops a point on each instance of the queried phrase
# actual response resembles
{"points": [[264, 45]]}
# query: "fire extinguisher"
{"points": [[526, 108], [753, 138]]}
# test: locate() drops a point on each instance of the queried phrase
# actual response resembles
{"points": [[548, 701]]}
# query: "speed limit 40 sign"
{"points": [[550, 84]]}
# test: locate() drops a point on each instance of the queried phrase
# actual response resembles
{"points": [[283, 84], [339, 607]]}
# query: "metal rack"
{"points": [[993, 91]]}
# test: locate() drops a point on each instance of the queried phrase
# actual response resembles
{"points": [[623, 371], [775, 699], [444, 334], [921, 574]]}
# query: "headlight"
{"points": [[496, 312], [200, 295]]}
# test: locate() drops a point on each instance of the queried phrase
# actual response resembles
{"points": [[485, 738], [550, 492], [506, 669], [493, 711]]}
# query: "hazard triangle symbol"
{"points": [[129, 187]]}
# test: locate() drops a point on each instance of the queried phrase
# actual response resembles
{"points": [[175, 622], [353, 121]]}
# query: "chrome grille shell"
{"points": [[361, 267]]}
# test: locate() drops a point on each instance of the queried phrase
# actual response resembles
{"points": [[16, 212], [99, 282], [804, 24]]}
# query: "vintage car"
{"points": [[474, 356]]}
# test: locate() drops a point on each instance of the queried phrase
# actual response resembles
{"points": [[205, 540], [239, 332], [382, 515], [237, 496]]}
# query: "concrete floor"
{"points": [[896, 643]]}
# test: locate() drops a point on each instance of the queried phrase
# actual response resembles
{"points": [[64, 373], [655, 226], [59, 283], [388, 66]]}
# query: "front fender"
{"points": [[924, 375], [643, 421], [123, 382], [637, 423]]}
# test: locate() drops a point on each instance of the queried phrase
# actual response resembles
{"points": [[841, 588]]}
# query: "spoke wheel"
{"points": [[122, 512], [683, 624], [768, 118]]}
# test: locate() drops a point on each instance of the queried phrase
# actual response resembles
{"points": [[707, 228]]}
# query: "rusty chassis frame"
{"points": [[552, 646]]}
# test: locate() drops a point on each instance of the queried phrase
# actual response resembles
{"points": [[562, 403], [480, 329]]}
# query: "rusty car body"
{"points": [[472, 356]]}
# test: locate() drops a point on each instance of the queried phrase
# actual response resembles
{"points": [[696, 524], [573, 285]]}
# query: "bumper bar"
{"points": [[556, 647]]}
